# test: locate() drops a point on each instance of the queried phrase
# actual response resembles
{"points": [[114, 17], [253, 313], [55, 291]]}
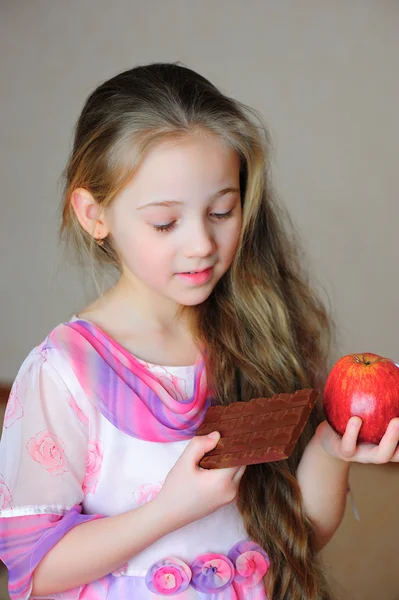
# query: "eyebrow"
{"points": [[228, 190]]}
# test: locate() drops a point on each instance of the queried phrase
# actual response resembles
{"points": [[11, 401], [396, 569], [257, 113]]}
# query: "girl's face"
{"points": [[176, 225]]}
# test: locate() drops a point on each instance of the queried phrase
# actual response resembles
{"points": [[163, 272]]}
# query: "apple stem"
{"points": [[361, 359]]}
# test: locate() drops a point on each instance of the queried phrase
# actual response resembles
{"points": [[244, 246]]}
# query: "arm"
{"points": [[96, 548], [323, 480], [324, 469]]}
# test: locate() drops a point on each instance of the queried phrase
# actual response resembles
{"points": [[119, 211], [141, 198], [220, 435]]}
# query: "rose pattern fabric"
{"points": [[95, 453], [48, 450], [168, 577], [14, 410], [176, 386], [5, 495], [147, 492]]}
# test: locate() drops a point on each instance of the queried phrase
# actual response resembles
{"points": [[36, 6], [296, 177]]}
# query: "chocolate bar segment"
{"points": [[261, 430]]}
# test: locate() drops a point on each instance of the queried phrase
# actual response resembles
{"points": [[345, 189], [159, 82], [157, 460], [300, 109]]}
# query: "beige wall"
{"points": [[325, 77]]}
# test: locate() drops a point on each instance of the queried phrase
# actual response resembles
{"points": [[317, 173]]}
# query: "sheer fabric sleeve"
{"points": [[43, 452]]}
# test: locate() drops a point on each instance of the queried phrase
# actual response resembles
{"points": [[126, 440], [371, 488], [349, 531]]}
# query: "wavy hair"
{"points": [[265, 329]]}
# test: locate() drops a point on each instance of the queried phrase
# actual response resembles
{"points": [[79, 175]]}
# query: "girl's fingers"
{"points": [[199, 446], [349, 439], [233, 473], [388, 445], [395, 457], [239, 473]]}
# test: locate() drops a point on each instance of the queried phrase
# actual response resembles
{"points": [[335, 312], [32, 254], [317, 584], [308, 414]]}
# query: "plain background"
{"points": [[324, 75]]}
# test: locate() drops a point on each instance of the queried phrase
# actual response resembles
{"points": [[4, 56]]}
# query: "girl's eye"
{"points": [[171, 225], [167, 227], [223, 215]]}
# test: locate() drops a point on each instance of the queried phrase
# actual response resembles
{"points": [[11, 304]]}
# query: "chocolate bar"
{"points": [[258, 431]]}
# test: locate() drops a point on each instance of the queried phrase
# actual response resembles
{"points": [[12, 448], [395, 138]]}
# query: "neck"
{"points": [[135, 306]]}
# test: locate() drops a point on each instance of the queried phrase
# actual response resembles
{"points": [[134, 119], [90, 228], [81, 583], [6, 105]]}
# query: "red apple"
{"points": [[362, 385]]}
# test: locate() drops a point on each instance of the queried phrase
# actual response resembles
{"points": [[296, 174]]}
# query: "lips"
{"points": [[195, 272], [196, 277]]}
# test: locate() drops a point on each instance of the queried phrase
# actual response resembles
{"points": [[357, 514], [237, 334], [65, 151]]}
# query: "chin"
{"points": [[196, 298], [196, 301]]}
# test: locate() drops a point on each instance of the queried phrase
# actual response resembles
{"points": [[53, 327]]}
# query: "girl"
{"points": [[101, 493]]}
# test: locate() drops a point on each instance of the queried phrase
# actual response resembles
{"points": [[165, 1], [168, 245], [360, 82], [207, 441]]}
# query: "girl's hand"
{"points": [[190, 492], [348, 449]]}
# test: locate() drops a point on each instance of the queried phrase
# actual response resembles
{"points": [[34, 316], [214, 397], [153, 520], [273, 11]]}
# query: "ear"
{"points": [[89, 213]]}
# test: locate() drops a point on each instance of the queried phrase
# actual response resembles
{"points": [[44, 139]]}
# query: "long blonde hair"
{"points": [[264, 329]]}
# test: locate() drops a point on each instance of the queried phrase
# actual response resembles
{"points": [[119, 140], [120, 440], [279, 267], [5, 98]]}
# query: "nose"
{"points": [[200, 241]]}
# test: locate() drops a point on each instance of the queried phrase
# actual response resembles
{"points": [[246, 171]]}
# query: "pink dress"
{"points": [[90, 431]]}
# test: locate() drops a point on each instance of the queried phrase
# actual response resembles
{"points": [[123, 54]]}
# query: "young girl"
{"points": [[101, 493]]}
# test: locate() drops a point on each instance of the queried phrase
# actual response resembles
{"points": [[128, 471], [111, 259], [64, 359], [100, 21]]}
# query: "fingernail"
{"points": [[213, 435]]}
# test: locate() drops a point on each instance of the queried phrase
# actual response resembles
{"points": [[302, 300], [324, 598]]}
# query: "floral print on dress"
{"points": [[95, 453], [14, 410], [175, 386], [147, 492], [5, 495], [47, 449]]}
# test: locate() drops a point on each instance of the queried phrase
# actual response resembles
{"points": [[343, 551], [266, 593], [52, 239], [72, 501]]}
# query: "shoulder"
{"points": [[40, 356], [46, 383], [46, 366], [44, 355]]}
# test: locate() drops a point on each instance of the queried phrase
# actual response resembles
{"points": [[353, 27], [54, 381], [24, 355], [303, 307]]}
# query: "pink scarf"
{"points": [[123, 390]]}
